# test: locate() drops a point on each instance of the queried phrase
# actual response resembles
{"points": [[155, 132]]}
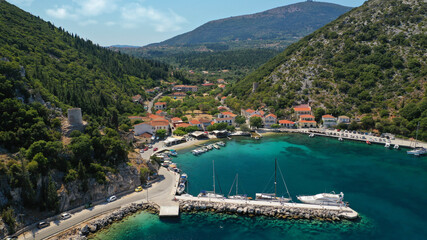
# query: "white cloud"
{"points": [[88, 22], [63, 12], [110, 23], [21, 2], [135, 14], [95, 7]]}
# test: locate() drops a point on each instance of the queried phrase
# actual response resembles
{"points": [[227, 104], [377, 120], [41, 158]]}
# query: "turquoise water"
{"points": [[387, 187]]}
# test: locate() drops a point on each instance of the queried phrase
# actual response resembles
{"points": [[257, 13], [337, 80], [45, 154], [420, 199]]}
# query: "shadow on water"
{"points": [[171, 220]]}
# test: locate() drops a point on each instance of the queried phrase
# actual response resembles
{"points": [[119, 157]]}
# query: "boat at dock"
{"points": [[222, 144], [273, 196], [311, 135], [211, 194], [216, 146], [417, 151], [387, 145], [180, 189], [396, 146], [323, 199], [183, 178], [237, 196]]}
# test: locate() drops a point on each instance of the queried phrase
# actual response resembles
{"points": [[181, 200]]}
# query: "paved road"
{"points": [[160, 191], [150, 104]]}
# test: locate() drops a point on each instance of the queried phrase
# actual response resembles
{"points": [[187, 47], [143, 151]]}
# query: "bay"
{"points": [[386, 187]]}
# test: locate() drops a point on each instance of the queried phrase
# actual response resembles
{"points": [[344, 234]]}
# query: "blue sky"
{"points": [[140, 22]]}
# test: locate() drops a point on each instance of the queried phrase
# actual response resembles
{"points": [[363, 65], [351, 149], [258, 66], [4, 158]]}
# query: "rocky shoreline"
{"points": [[82, 233], [269, 211]]}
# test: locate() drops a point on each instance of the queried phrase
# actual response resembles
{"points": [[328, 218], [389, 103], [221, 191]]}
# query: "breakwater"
{"points": [[270, 209]]}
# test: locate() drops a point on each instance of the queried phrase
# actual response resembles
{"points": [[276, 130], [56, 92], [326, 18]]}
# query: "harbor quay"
{"points": [[283, 210]]}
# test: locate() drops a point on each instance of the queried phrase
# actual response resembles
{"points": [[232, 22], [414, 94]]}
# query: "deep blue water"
{"points": [[386, 187]]}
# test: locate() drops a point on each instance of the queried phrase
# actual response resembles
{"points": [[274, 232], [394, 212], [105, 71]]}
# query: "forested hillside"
{"points": [[369, 62], [44, 70]]}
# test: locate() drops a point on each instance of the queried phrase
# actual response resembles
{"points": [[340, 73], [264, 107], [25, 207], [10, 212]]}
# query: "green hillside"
{"points": [[370, 61], [283, 23]]}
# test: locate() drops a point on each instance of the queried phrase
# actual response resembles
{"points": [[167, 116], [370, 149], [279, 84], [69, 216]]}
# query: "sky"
{"points": [[141, 22]]}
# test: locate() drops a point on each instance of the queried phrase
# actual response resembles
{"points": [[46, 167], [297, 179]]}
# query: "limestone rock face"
{"points": [[127, 178]]}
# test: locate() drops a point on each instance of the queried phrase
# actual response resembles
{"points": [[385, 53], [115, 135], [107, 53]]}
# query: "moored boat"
{"points": [[273, 196], [323, 199], [180, 189], [387, 145], [396, 146], [417, 151]]}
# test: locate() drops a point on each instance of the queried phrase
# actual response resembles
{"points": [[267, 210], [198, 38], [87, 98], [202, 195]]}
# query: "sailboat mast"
{"points": [[275, 177], [213, 170], [237, 182]]}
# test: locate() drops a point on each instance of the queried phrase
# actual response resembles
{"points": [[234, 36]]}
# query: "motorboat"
{"points": [[270, 197], [183, 178], [368, 142], [209, 147], [173, 153], [311, 135], [396, 146], [195, 152], [340, 139], [222, 144], [417, 151], [180, 189], [216, 146], [387, 145], [323, 199]]}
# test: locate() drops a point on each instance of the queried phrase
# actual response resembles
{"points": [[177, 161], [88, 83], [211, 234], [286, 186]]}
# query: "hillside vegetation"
{"points": [[369, 62], [44, 70]]}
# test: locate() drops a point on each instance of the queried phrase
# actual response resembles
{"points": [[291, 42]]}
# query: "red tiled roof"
{"points": [[146, 135], [250, 110], [306, 116], [328, 116], [159, 111], [153, 116], [159, 123], [195, 121], [184, 125], [257, 115], [223, 97], [261, 113], [207, 84], [229, 114], [271, 115], [304, 121], [136, 97], [343, 117], [160, 103], [221, 86], [176, 119], [204, 120], [223, 119], [302, 109], [221, 107], [286, 122]]}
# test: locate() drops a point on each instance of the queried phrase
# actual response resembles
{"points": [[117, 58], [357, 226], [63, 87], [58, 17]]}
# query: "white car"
{"points": [[112, 199], [65, 216]]}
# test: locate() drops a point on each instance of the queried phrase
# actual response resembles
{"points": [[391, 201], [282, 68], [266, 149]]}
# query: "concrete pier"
{"points": [[267, 208], [169, 211]]}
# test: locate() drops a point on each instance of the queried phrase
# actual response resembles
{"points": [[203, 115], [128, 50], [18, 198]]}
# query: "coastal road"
{"points": [[159, 192], [150, 104]]}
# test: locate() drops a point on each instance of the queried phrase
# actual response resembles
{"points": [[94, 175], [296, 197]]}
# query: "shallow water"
{"points": [[386, 187]]}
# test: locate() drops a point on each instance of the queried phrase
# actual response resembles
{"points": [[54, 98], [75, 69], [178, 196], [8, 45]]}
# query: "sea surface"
{"points": [[386, 187]]}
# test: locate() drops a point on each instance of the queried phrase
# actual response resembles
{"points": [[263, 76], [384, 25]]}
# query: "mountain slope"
{"points": [[65, 68], [283, 23], [369, 61]]}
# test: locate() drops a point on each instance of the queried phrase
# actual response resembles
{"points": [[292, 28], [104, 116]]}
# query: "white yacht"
{"points": [[396, 146], [417, 151], [311, 135], [216, 146], [387, 145], [211, 194], [273, 196], [323, 198]]}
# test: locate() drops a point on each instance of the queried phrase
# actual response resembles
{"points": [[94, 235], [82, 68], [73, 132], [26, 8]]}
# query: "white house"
{"points": [[142, 128], [343, 119], [286, 123], [160, 105], [269, 120], [329, 121], [196, 123], [228, 120]]}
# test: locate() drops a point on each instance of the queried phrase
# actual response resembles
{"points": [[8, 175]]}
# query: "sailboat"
{"points": [[273, 196], [417, 151], [237, 196], [210, 194]]}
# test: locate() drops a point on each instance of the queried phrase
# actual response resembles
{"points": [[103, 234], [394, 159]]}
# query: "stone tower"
{"points": [[75, 116], [254, 87]]}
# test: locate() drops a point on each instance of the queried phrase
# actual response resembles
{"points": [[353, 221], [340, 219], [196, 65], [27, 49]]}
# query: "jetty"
{"points": [[277, 209]]}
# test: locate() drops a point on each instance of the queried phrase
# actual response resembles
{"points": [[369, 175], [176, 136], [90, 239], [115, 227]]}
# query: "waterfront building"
{"points": [[343, 119], [286, 123], [196, 123], [329, 121], [307, 121], [269, 120], [228, 120], [227, 115], [303, 109]]}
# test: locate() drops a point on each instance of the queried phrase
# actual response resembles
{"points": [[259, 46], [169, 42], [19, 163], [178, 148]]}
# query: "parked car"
{"points": [[112, 199], [65, 216], [146, 149], [41, 225], [147, 185], [155, 149], [141, 150], [138, 189]]}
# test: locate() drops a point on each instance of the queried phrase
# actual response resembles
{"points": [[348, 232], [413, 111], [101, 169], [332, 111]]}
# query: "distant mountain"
{"points": [[369, 62], [123, 46], [283, 23]]}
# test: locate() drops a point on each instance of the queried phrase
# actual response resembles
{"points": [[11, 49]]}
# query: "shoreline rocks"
{"points": [[96, 225], [269, 211]]}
